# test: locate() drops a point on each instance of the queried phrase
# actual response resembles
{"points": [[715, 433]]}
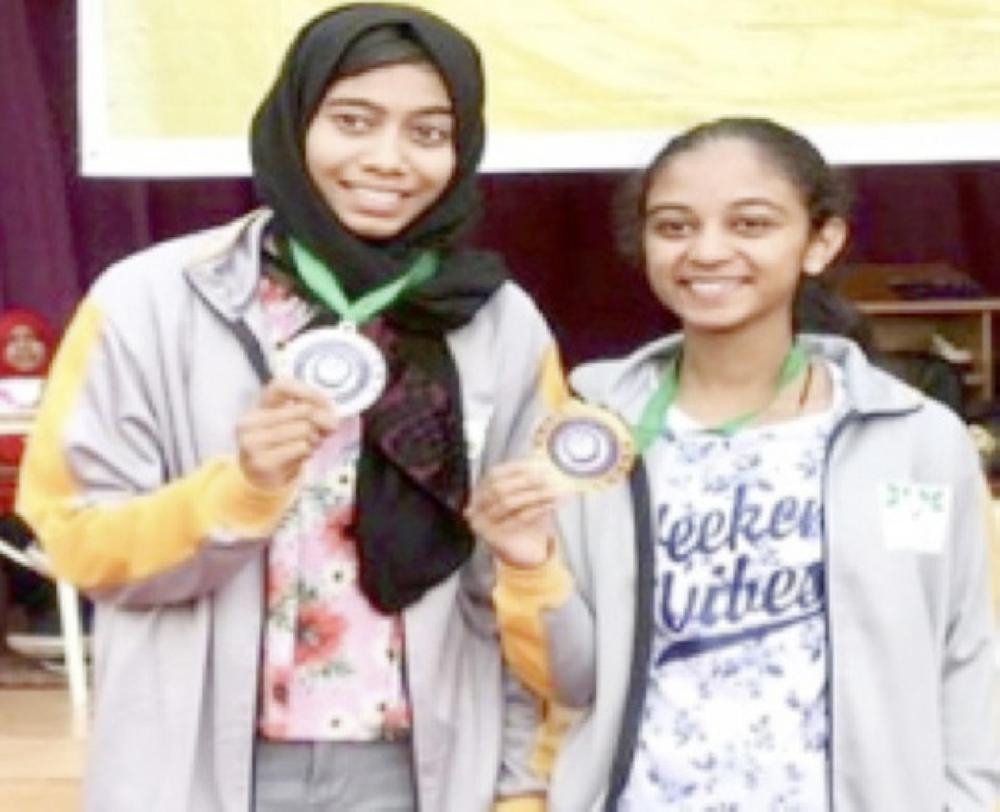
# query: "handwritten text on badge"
{"points": [[915, 516]]}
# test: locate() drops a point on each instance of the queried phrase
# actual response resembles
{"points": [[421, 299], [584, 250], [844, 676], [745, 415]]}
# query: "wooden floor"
{"points": [[42, 744], [41, 751]]}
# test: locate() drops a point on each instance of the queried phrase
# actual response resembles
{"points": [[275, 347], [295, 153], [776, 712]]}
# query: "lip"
{"points": [[376, 199], [712, 288], [356, 186], [690, 280]]}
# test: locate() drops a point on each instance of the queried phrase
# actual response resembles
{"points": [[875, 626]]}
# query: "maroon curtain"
{"points": [[58, 230], [38, 268]]}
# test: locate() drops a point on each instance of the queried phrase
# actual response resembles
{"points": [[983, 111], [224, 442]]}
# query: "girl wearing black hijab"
{"points": [[258, 441]]}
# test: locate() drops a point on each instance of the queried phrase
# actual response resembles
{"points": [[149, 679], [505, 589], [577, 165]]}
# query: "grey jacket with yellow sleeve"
{"points": [[912, 665], [131, 482]]}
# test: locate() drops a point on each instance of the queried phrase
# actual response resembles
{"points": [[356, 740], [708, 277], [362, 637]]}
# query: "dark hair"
{"points": [[824, 194]]}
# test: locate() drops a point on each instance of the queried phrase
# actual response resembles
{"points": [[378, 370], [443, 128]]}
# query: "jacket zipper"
{"points": [[257, 698], [827, 619], [849, 417], [645, 573], [257, 359], [405, 666]]}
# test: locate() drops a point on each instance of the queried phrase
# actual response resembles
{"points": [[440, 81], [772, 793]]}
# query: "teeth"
{"points": [[377, 199], [712, 288]]}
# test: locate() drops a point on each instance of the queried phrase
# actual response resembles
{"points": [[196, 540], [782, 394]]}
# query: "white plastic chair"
{"points": [[71, 627], [19, 423]]}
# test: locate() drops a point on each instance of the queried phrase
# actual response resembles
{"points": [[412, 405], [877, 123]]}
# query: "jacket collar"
{"points": [[624, 385], [226, 269]]}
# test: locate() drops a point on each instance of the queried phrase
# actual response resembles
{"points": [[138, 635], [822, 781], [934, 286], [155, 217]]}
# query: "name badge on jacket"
{"points": [[915, 516]]}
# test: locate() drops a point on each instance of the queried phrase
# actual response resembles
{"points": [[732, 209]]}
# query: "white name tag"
{"points": [[915, 516]]}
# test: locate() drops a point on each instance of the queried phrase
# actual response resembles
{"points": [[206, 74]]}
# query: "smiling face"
{"points": [[727, 235], [24, 352], [381, 147]]}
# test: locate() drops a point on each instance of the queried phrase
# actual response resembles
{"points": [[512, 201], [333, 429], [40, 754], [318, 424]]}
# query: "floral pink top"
{"points": [[332, 667]]}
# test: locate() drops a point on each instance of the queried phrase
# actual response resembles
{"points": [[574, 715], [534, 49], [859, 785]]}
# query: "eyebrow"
{"points": [[347, 101], [758, 201], [745, 201]]}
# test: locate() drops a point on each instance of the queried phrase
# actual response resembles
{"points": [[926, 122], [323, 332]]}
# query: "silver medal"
{"points": [[345, 365]]}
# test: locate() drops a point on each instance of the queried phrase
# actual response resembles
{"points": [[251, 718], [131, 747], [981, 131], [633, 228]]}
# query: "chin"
{"points": [[376, 232], [718, 323]]}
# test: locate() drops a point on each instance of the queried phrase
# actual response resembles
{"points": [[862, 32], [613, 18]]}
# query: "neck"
{"points": [[723, 376]]}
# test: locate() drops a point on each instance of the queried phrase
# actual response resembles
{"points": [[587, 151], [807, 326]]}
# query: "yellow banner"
{"points": [[586, 72]]}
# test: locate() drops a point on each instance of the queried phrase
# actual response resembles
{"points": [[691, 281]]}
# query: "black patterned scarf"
{"points": [[413, 479]]}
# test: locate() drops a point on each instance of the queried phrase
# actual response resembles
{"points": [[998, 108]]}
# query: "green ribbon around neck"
{"points": [[322, 281], [654, 414]]}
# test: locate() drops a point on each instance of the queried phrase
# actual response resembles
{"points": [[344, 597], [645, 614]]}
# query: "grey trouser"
{"points": [[334, 777]]}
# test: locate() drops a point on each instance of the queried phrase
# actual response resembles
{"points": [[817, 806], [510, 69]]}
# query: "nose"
{"points": [[710, 245], [385, 151]]}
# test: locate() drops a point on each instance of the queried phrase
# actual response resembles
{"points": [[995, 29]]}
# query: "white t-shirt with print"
{"points": [[736, 713]]}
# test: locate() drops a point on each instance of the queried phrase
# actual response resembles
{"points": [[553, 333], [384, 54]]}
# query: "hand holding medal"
{"points": [[580, 448], [280, 431]]}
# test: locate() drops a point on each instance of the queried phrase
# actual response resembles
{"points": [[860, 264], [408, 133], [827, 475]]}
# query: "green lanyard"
{"points": [[654, 414], [321, 281]]}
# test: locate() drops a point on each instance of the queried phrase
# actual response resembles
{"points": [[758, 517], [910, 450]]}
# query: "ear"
{"points": [[824, 245]]}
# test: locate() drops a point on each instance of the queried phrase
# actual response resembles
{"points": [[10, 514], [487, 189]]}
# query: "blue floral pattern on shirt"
{"points": [[736, 713]]}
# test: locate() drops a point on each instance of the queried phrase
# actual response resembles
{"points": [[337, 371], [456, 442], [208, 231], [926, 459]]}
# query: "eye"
{"points": [[752, 225], [671, 228], [431, 134], [352, 123]]}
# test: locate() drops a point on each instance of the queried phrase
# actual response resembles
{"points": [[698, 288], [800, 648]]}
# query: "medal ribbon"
{"points": [[654, 414], [323, 282]]}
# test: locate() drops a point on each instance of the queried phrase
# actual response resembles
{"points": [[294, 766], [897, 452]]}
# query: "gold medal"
{"points": [[588, 447]]}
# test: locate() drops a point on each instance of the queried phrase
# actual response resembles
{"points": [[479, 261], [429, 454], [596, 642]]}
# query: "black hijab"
{"points": [[413, 480]]}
